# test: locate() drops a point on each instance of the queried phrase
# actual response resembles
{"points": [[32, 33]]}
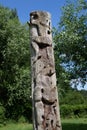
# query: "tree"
{"points": [[71, 42], [73, 98], [14, 64]]}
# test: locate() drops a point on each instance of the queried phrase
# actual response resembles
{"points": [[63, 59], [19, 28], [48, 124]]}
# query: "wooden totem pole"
{"points": [[46, 114]]}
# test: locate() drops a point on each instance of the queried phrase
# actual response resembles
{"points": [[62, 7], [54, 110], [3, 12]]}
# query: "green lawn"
{"points": [[74, 124], [20, 126], [67, 124], [75, 121]]}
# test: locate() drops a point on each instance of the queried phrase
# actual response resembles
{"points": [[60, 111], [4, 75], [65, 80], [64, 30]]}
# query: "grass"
{"points": [[74, 124], [75, 120], [67, 124], [17, 126]]}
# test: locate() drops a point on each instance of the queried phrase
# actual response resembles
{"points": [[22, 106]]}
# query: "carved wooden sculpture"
{"points": [[44, 91]]}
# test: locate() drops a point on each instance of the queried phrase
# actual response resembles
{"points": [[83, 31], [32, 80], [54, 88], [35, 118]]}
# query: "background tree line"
{"points": [[14, 65], [70, 49]]}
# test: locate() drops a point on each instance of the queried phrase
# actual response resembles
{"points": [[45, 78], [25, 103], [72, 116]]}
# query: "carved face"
{"points": [[33, 17], [40, 18], [42, 22]]}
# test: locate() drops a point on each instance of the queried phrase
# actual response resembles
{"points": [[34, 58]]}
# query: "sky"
{"points": [[24, 7]]}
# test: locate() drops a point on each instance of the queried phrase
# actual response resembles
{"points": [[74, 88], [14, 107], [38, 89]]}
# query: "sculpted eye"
{"points": [[35, 16]]}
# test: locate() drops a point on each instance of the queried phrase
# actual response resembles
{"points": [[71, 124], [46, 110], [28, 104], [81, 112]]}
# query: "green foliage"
{"points": [[71, 42], [70, 49], [74, 104], [14, 65], [73, 111], [22, 119], [73, 97]]}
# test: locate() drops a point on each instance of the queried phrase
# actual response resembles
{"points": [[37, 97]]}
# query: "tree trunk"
{"points": [[45, 103]]}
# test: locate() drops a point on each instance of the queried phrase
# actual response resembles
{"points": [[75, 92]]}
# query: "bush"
{"points": [[73, 110], [22, 119]]}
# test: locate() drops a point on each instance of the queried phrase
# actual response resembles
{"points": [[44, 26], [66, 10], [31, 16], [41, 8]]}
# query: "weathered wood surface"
{"points": [[44, 91]]}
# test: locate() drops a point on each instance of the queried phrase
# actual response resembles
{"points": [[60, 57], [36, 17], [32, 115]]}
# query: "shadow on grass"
{"points": [[73, 126]]}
